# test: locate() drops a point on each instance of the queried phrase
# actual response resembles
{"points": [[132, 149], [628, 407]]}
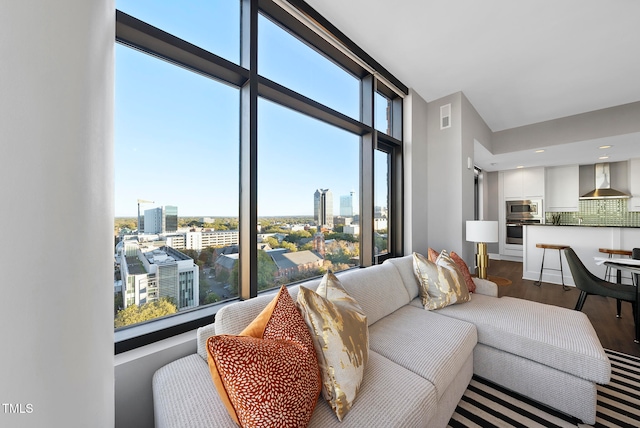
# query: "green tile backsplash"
{"points": [[599, 212]]}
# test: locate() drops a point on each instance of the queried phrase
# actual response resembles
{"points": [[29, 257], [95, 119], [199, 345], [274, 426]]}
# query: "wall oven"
{"points": [[518, 214], [514, 230]]}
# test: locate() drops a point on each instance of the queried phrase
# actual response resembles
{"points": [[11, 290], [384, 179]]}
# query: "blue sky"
{"points": [[177, 132]]}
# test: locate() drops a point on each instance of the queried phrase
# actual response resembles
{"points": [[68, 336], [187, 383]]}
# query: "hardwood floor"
{"points": [[614, 333]]}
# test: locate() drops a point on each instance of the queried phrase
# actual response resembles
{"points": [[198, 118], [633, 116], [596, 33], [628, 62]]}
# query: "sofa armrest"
{"points": [[486, 287], [203, 334]]}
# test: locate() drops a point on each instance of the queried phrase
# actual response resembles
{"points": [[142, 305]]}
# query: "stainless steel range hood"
{"points": [[603, 188]]}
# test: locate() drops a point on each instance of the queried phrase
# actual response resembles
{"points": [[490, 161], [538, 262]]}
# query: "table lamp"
{"points": [[481, 232]]}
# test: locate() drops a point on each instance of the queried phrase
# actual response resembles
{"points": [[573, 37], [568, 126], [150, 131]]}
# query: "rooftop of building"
{"points": [[135, 266]]}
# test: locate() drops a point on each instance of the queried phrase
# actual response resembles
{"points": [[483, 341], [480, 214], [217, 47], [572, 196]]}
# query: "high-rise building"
{"points": [[346, 205], [161, 220], [150, 273], [323, 207]]}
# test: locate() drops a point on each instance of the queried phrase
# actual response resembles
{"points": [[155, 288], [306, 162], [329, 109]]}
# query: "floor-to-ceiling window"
{"points": [[275, 144]]}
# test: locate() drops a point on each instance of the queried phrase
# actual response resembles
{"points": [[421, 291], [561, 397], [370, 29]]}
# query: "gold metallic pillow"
{"points": [[441, 283], [338, 327]]}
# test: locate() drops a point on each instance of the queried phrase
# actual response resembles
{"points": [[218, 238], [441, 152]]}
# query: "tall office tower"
{"points": [[161, 220], [346, 205], [323, 207]]}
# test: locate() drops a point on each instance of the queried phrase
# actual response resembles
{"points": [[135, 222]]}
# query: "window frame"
{"points": [[139, 35]]}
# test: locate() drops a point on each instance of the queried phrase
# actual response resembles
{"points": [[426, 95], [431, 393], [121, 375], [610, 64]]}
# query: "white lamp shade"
{"points": [[482, 231]]}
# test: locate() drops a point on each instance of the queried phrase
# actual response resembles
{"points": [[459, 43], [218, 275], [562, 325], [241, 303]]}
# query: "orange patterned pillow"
{"points": [[432, 255], [465, 271], [268, 376]]}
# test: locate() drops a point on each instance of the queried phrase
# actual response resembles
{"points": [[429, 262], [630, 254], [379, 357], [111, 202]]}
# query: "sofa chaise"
{"points": [[420, 362]]}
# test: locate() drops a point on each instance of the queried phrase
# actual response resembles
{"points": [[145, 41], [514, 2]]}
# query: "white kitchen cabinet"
{"points": [[512, 184], [524, 183], [634, 185], [562, 188], [532, 183]]}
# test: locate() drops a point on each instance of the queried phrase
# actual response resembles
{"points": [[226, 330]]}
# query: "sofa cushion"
{"points": [[557, 337], [268, 376], [340, 335], [379, 290], [390, 396], [405, 269], [424, 342], [184, 397]]}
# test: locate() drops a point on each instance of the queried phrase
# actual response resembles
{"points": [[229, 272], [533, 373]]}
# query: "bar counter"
{"points": [[585, 241]]}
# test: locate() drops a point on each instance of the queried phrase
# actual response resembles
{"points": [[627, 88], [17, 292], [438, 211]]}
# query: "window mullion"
{"points": [[248, 221]]}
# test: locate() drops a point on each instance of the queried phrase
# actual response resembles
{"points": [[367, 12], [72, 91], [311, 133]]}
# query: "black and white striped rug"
{"points": [[485, 404]]}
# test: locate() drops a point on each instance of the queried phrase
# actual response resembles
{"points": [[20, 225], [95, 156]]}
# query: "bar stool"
{"points": [[607, 272], [546, 247]]}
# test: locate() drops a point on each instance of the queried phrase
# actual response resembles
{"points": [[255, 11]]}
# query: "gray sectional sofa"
{"points": [[420, 362]]}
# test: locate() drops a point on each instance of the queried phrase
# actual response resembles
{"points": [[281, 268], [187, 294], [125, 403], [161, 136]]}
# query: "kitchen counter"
{"points": [[584, 242]]}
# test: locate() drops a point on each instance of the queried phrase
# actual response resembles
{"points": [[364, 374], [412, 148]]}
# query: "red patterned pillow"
{"points": [[269, 375], [465, 272]]}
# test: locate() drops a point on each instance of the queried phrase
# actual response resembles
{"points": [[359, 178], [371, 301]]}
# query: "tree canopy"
{"points": [[135, 314]]}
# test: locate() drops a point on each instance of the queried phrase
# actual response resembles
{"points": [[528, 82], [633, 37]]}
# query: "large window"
{"points": [[241, 166], [307, 174], [288, 61]]}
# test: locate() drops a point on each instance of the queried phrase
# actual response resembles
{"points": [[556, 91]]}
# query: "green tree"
{"points": [[295, 237], [211, 298], [272, 242], [135, 314], [289, 246], [266, 273], [223, 276]]}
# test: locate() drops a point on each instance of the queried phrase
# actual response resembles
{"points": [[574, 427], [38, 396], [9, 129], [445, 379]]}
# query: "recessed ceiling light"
{"points": [[540, 151], [603, 157], [520, 166], [604, 147]]}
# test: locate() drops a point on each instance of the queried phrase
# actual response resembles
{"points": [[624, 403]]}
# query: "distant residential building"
{"points": [[295, 263], [380, 211], [201, 239], [225, 263], [150, 273], [323, 208], [380, 223], [352, 229], [346, 205], [161, 220], [340, 220]]}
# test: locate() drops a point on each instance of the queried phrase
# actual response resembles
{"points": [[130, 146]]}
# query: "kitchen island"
{"points": [[585, 241]]}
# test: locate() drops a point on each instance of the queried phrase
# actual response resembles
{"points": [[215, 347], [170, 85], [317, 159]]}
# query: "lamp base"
{"points": [[482, 260]]}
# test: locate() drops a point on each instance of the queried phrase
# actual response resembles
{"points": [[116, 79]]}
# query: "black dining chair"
{"points": [[588, 284]]}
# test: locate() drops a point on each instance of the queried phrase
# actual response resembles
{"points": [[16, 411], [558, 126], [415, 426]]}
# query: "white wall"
{"points": [[444, 172], [56, 132], [415, 173], [607, 122], [473, 129], [134, 375]]}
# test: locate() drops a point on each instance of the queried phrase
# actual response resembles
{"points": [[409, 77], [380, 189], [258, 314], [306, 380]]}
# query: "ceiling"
{"points": [[518, 62]]}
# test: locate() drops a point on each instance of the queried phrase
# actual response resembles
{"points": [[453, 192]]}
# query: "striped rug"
{"points": [[485, 404]]}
